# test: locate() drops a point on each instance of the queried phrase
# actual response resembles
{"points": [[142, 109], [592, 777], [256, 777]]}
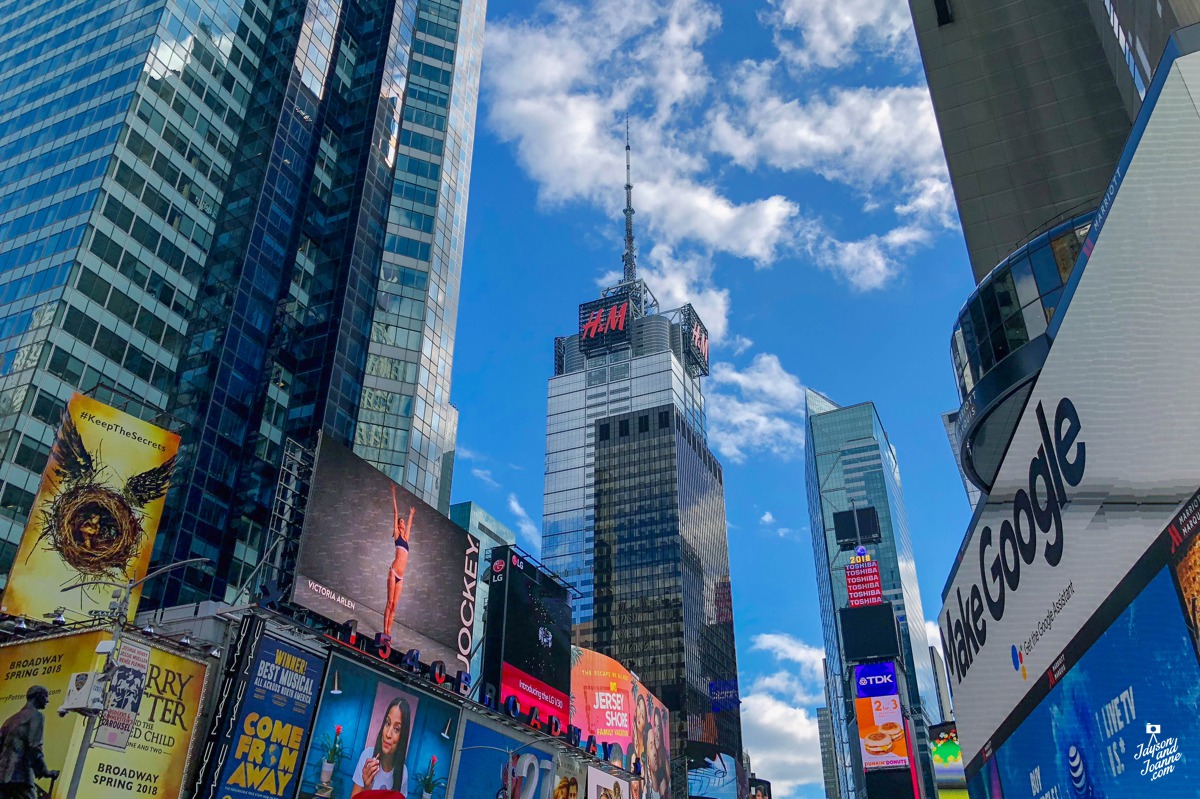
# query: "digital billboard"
{"points": [[712, 772], [607, 701], [947, 757], [869, 632], [881, 725], [602, 785], [605, 322], [856, 526], [371, 551], [271, 727], [1066, 623], [759, 789], [495, 765], [372, 733], [527, 651], [95, 514], [863, 586]]}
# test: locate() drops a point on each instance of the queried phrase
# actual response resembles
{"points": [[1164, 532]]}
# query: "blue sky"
{"points": [[789, 182]]}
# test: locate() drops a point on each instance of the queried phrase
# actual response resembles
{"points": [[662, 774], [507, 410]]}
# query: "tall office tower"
{"points": [[248, 217], [854, 495], [634, 514], [1034, 100], [828, 754]]}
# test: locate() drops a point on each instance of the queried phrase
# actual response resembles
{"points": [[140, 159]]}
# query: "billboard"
{"points": [[371, 733], [271, 728], [947, 757], [157, 758], [527, 652], [607, 701], [1088, 525], [695, 341], [712, 772], [160, 741], [759, 789], [495, 765], [857, 526], [863, 586], [881, 731], [1102, 460], [95, 514], [373, 552], [869, 632], [605, 323], [605, 786], [49, 662]]}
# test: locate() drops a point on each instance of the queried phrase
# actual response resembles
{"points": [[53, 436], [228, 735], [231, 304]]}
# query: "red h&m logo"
{"points": [[700, 341], [605, 320]]}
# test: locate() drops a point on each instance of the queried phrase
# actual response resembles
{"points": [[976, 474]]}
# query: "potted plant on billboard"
{"points": [[334, 753], [428, 782]]}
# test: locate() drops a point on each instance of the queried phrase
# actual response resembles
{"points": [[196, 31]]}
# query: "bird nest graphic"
{"points": [[94, 527]]}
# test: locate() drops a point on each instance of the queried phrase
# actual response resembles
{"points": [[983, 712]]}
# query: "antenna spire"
{"points": [[629, 259]]}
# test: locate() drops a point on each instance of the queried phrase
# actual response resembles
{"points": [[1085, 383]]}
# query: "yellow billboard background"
{"points": [[156, 762], [49, 662], [95, 514]]}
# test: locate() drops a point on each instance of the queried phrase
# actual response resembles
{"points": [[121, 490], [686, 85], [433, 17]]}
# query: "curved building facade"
{"points": [[1000, 342]]}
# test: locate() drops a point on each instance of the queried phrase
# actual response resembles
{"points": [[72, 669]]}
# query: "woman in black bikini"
{"points": [[395, 581]]}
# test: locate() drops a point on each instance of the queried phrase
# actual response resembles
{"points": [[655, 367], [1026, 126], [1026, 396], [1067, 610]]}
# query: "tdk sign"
{"points": [[875, 679], [1036, 528]]}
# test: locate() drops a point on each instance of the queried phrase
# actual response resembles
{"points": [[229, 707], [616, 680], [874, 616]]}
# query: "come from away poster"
{"points": [[269, 735]]}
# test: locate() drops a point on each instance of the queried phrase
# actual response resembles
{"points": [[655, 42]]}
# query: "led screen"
{"points": [[869, 633], [372, 552], [528, 648], [607, 701], [858, 526], [372, 733], [712, 772]]}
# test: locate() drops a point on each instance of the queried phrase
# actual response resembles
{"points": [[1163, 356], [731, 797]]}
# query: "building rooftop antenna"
{"points": [[629, 259]]}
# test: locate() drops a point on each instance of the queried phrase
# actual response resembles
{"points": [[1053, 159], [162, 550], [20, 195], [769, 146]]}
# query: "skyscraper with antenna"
{"points": [[634, 512]]}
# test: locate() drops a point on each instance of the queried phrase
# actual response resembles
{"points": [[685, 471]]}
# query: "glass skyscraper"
{"points": [[850, 463], [249, 218], [634, 511]]}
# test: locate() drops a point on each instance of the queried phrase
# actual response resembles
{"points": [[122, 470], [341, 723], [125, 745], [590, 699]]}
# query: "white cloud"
{"points": [[791, 649], [558, 87], [779, 724], [832, 33], [740, 344], [881, 142], [757, 409], [783, 742], [468, 454], [485, 476], [527, 530], [933, 633], [767, 518]]}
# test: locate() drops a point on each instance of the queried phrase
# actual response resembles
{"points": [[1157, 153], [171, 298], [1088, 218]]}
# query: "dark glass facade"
{"points": [[247, 216], [663, 604]]}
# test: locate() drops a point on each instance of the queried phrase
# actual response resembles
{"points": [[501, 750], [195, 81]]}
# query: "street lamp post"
{"points": [[120, 612]]}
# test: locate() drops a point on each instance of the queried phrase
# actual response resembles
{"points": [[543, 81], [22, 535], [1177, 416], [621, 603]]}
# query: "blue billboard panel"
{"points": [[875, 679], [1122, 723], [272, 725]]}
